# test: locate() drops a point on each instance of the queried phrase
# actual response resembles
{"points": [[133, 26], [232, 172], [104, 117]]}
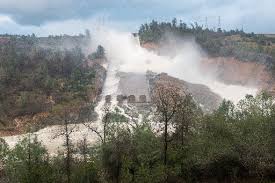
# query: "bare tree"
{"points": [[83, 148], [29, 148], [68, 149], [105, 121], [166, 99], [69, 125]]}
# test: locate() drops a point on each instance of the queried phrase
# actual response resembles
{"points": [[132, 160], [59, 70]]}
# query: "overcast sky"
{"points": [[45, 17]]}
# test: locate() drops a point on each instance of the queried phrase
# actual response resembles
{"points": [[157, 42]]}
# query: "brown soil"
{"points": [[150, 46], [233, 71], [20, 124]]}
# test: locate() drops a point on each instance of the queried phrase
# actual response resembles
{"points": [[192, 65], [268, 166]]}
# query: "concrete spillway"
{"points": [[133, 84], [133, 87]]}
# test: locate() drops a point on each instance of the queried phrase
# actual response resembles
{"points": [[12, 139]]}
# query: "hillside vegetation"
{"points": [[43, 76]]}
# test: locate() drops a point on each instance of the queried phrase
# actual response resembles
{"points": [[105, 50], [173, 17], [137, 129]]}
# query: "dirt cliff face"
{"points": [[150, 46], [230, 70], [233, 71]]}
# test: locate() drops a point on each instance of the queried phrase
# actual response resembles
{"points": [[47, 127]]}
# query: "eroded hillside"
{"points": [[233, 71], [203, 96], [230, 70]]}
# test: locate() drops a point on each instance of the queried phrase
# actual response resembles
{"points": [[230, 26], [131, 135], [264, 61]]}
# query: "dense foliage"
{"points": [[234, 144]]}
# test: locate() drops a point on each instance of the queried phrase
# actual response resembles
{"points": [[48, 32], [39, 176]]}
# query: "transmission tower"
{"points": [[219, 22], [206, 22]]}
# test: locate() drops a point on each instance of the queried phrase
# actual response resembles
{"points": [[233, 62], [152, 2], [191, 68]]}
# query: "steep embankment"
{"points": [[231, 71], [204, 97]]}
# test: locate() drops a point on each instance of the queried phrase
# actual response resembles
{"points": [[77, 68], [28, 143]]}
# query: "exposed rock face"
{"points": [[204, 97]]}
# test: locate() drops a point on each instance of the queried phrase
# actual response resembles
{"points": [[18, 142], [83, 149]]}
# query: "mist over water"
{"points": [[125, 54]]}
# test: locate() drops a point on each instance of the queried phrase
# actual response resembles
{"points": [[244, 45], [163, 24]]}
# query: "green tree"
{"points": [[3, 149], [187, 118], [28, 162], [133, 156]]}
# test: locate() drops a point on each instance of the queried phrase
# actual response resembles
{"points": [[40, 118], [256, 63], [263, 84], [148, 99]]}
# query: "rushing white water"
{"points": [[52, 139], [110, 88], [125, 52]]}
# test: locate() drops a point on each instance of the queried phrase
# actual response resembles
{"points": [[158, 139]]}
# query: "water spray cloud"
{"points": [[126, 55]]}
